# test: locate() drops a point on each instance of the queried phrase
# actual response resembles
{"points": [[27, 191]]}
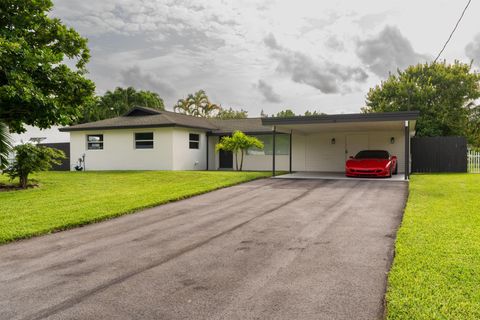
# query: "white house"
{"points": [[147, 139]]}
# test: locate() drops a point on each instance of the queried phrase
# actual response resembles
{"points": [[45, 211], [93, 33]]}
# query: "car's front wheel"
{"points": [[395, 171]]}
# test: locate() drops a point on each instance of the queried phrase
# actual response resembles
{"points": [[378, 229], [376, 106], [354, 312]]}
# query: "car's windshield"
{"points": [[372, 154]]}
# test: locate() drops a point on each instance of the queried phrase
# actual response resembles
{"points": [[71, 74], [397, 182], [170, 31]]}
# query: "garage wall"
{"points": [[315, 152]]}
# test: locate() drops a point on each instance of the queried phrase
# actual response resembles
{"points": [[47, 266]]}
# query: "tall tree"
{"points": [[37, 87], [443, 93], [197, 104], [119, 101], [231, 114]]}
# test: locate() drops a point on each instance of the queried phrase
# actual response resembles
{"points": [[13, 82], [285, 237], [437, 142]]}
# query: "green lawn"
{"points": [[68, 199], [436, 270]]}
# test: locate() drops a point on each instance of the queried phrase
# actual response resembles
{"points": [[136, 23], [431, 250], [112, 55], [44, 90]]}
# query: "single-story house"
{"points": [[148, 139]]}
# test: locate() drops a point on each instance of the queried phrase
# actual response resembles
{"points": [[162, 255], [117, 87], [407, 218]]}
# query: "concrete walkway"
{"points": [[268, 249]]}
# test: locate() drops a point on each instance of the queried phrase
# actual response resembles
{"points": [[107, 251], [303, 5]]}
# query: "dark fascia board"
{"points": [[335, 118], [68, 129], [219, 134]]}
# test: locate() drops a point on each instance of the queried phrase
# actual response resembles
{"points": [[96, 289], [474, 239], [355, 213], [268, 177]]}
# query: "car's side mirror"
{"points": [[393, 157]]}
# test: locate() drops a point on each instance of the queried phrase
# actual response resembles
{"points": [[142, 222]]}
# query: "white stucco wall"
{"points": [[119, 151], [185, 158], [315, 152]]}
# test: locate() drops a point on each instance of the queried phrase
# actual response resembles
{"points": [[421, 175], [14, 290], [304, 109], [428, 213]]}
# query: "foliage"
{"points": [[117, 102], [285, 113], [238, 142], [197, 105], [443, 93], [36, 85], [436, 270], [231, 114], [314, 113], [70, 199], [30, 158], [5, 145]]}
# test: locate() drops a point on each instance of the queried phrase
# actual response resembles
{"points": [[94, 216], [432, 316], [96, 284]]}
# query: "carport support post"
{"points": [[273, 151], [407, 149], [290, 153], [206, 147]]}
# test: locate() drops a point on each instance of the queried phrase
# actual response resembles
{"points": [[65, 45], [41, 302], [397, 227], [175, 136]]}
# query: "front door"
{"points": [[225, 159], [354, 144]]}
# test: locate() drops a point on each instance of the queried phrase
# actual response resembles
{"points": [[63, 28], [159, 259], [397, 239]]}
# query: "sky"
{"points": [[266, 55]]}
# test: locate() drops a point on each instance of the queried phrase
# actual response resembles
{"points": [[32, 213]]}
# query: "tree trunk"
{"points": [[236, 160], [23, 181], [241, 162]]}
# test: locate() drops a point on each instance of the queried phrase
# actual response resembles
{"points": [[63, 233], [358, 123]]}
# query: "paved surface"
{"points": [[268, 249]]}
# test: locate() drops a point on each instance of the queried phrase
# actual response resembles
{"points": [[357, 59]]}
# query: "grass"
{"points": [[436, 270], [68, 199]]}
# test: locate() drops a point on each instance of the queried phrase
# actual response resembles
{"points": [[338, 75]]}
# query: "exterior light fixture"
{"points": [[332, 141], [392, 140]]}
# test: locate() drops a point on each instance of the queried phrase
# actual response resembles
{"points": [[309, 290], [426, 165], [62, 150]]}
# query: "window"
{"points": [[194, 140], [282, 145], [144, 140], [95, 141]]}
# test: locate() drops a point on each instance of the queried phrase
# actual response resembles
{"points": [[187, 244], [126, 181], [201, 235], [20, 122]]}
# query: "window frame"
{"points": [[267, 140], [135, 140], [190, 141], [100, 142]]}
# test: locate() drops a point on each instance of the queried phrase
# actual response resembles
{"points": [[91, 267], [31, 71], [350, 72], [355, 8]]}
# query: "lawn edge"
{"points": [[123, 213]]}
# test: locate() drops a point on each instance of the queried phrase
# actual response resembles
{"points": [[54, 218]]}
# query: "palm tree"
{"points": [[197, 105], [5, 145]]}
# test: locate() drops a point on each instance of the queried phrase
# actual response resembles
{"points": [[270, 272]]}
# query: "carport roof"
{"points": [[339, 118]]}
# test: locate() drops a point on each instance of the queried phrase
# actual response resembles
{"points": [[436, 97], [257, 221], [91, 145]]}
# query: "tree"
{"points": [[30, 158], [5, 145], [231, 114], [117, 102], [285, 113], [37, 87], [197, 105], [441, 92], [238, 142]]}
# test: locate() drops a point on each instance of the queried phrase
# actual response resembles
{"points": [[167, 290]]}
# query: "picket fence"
{"points": [[473, 161]]}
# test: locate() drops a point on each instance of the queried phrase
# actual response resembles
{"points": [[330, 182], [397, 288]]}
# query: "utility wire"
{"points": [[451, 34]]}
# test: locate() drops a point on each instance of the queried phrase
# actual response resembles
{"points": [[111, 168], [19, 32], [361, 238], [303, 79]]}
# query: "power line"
{"points": [[451, 34]]}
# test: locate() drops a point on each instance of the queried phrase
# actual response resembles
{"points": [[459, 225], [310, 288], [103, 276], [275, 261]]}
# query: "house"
{"points": [[148, 139]]}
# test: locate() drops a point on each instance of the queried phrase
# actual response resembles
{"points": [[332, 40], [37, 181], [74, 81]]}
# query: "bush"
{"points": [[30, 158]]}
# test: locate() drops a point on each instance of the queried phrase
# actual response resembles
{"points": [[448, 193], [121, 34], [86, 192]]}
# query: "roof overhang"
{"points": [[69, 129], [344, 122], [338, 118]]}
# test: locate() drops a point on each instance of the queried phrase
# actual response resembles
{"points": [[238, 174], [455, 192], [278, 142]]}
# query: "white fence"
{"points": [[473, 161]]}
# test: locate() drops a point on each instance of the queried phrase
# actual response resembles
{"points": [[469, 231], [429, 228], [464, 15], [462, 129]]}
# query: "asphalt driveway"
{"points": [[268, 249]]}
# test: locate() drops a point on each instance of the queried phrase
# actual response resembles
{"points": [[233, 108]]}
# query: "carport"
{"points": [[323, 143]]}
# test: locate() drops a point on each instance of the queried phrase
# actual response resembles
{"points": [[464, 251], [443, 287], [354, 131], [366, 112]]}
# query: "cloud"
{"points": [[472, 50], [388, 51], [322, 74], [145, 81], [267, 91], [334, 43]]}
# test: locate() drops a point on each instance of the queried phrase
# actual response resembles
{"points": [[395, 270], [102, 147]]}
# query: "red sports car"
{"points": [[371, 163]]}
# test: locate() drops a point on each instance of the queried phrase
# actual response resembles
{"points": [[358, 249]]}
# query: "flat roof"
{"points": [[337, 118]]}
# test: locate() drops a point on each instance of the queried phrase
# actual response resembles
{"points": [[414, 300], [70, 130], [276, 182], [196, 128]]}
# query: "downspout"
{"points": [[290, 152]]}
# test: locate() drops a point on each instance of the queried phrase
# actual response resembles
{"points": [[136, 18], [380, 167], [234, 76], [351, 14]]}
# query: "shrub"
{"points": [[30, 158]]}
